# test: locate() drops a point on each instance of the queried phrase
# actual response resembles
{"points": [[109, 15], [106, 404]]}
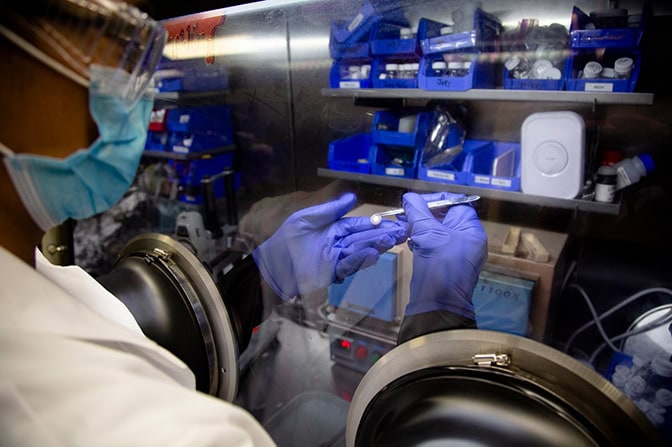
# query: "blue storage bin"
{"points": [[351, 50], [498, 167], [386, 39], [157, 141], [382, 157], [512, 83], [483, 37], [480, 74], [385, 128], [378, 68], [191, 172], [457, 172], [351, 31], [581, 35], [193, 142], [196, 75], [339, 76], [607, 57], [170, 85], [215, 118], [534, 84], [351, 154]]}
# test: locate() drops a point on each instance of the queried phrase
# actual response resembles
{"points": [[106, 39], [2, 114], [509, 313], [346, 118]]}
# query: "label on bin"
{"points": [[442, 175], [501, 182], [394, 171], [484, 179], [599, 87], [348, 84]]}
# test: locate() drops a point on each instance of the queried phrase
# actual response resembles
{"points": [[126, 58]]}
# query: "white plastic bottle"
{"points": [[631, 170]]}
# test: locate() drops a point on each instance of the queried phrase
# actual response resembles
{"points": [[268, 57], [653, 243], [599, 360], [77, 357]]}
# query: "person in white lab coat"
{"points": [[76, 367]]}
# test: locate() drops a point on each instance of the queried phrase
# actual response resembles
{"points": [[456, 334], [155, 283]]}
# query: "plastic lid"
{"points": [[647, 161], [611, 156], [592, 69], [389, 67], [437, 65], [623, 65]]}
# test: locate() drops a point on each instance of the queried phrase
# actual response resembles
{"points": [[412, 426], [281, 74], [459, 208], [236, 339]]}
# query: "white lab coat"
{"points": [[76, 370]]}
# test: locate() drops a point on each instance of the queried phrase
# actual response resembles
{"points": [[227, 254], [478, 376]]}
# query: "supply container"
{"points": [[631, 170], [350, 73], [464, 71], [394, 39], [496, 168], [603, 70], [608, 28], [457, 171], [351, 31], [538, 56], [394, 161], [211, 118], [157, 141], [400, 128], [351, 154], [195, 142], [605, 184], [482, 35]]}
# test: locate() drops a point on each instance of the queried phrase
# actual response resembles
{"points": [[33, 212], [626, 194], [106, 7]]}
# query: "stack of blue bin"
{"points": [[350, 44], [605, 50], [396, 147]]}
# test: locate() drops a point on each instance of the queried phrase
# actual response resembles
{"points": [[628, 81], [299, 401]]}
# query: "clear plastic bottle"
{"points": [[631, 170]]}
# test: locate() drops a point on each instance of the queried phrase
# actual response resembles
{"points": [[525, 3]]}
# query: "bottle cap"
{"points": [[623, 65], [647, 161], [611, 156], [592, 70]]}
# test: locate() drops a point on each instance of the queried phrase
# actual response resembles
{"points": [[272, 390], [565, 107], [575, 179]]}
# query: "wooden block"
{"points": [[510, 244], [537, 252]]}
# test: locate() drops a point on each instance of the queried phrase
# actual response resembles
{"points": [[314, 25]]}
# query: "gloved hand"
{"points": [[448, 254], [316, 247]]}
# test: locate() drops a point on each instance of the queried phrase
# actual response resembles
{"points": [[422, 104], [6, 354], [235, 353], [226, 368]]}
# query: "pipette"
{"points": [[377, 218]]}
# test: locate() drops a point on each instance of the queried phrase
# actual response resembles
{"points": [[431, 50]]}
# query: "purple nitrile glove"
{"points": [[448, 254], [317, 246]]}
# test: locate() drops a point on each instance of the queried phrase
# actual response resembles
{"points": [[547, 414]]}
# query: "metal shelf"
{"points": [[509, 196], [644, 99], [190, 156]]}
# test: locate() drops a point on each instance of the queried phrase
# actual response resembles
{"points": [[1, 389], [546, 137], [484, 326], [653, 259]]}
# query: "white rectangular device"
{"points": [[552, 154]]}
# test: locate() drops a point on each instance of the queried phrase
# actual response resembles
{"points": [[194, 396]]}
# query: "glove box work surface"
{"points": [[296, 391]]}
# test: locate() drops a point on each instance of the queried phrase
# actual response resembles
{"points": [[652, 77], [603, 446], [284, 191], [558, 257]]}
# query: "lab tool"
{"points": [[377, 218]]}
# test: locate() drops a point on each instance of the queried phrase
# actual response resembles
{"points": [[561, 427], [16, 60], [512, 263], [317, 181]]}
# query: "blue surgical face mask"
{"points": [[90, 180]]}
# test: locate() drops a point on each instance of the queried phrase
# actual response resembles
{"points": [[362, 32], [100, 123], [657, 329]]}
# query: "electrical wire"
{"points": [[596, 319], [660, 321]]}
